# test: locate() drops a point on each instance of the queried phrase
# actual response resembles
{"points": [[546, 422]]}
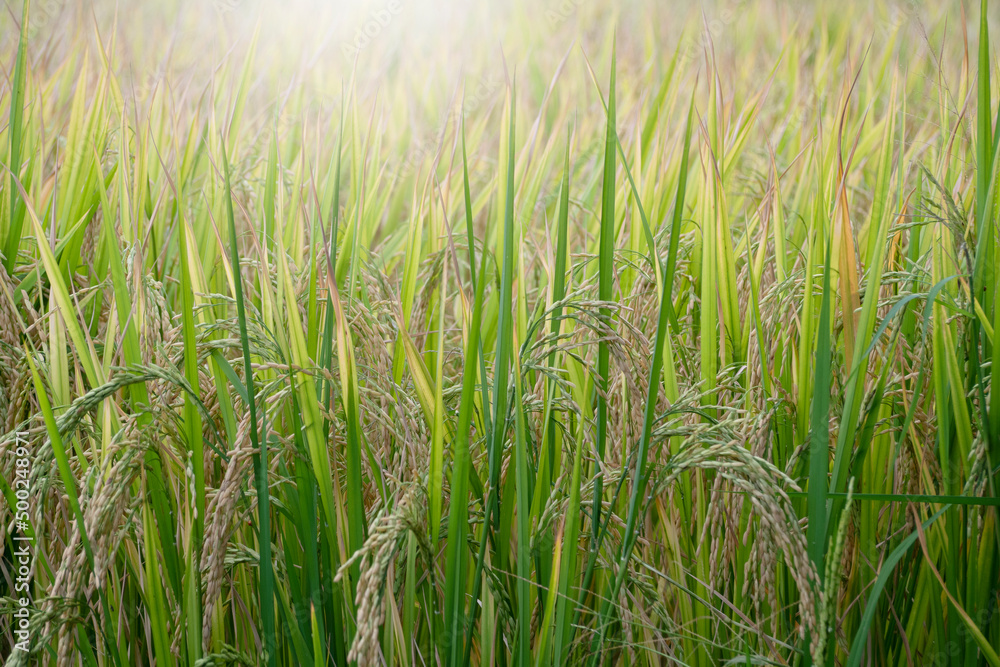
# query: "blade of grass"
{"points": [[265, 575], [606, 252], [819, 432], [455, 568], [501, 372], [639, 475], [15, 121]]}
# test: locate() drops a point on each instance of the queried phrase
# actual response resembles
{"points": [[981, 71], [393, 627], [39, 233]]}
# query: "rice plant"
{"points": [[538, 333]]}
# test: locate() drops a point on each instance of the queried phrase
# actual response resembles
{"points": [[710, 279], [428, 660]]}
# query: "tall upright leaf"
{"points": [[265, 592]]}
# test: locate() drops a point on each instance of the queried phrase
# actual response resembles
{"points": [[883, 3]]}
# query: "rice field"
{"points": [[570, 332]]}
